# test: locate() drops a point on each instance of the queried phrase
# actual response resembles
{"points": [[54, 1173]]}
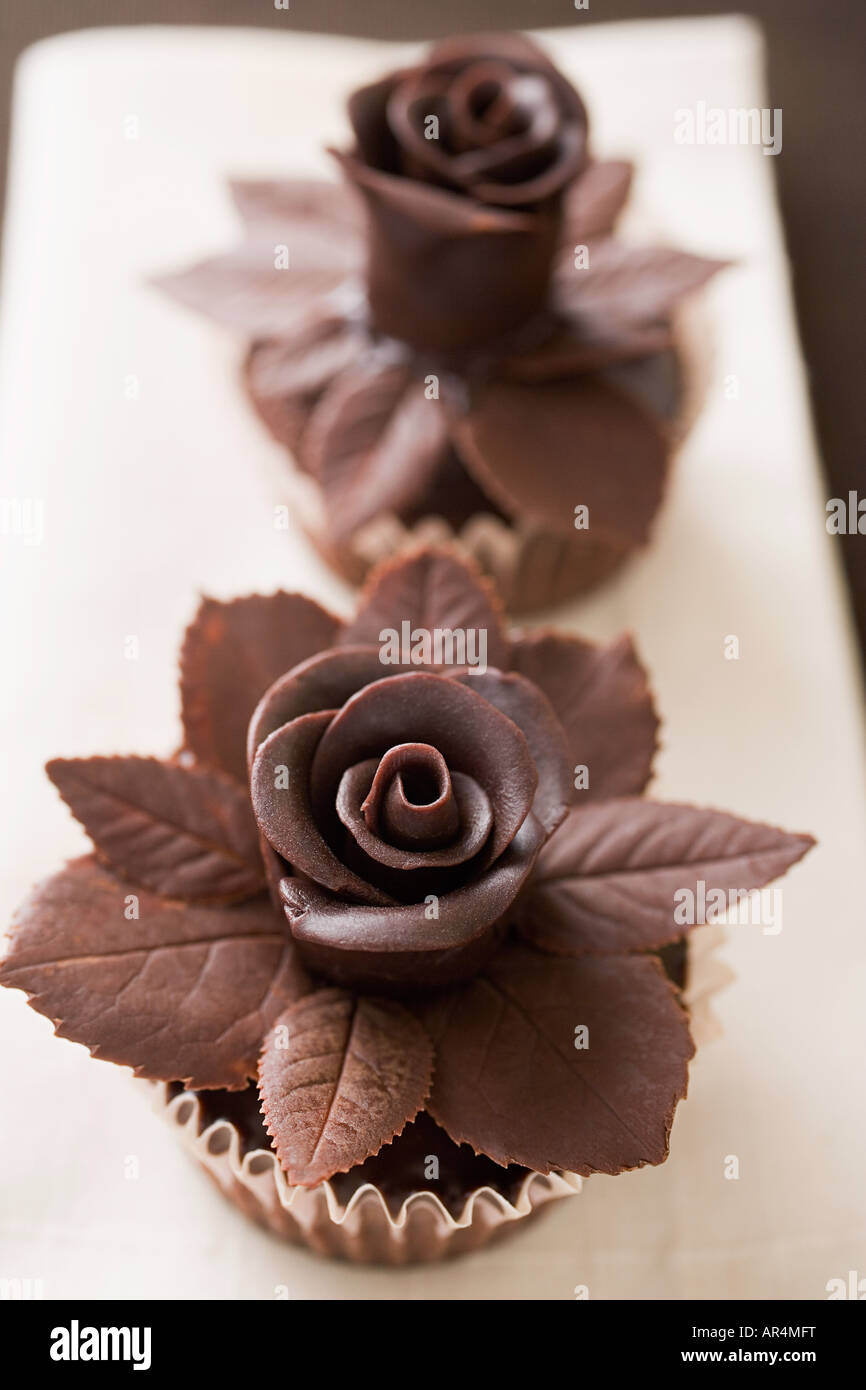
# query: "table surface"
{"points": [[120, 420]]}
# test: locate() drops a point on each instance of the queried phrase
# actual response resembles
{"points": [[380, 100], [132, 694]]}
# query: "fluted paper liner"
{"points": [[364, 1229]]}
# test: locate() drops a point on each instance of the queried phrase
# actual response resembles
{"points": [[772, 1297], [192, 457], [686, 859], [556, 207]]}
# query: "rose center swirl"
{"points": [[407, 809]]}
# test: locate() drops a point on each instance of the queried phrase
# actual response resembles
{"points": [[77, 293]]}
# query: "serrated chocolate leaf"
{"points": [[602, 699], [339, 1077], [179, 992], [596, 199], [541, 449], [375, 443], [231, 653], [625, 283], [512, 1081], [432, 588], [181, 832], [617, 875]]}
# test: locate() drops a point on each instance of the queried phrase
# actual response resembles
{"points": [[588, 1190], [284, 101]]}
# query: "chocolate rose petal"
{"points": [[280, 788], [411, 799], [601, 697], [527, 707], [367, 111], [474, 821], [231, 653], [595, 200], [374, 442], [523, 135], [507, 83], [470, 733], [515, 1079], [324, 681], [179, 992], [429, 590], [543, 449], [624, 875], [424, 944], [496, 262], [339, 1077], [180, 831], [627, 283]]}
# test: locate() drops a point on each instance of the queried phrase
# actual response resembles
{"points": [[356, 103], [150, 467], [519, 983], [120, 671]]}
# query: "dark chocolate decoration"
{"points": [[178, 991], [400, 1168], [601, 449], [462, 163], [432, 588], [609, 880], [511, 1082], [420, 945], [409, 824], [183, 832], [231, 653], [371, 417], [458, 335], [601, 697], [339, 1077]]}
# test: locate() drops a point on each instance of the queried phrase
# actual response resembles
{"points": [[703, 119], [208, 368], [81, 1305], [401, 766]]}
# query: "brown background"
{"points": [[817, 74]]}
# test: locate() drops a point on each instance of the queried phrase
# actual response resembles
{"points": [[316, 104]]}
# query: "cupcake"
{"points": [[395, 931], [452, 344]]}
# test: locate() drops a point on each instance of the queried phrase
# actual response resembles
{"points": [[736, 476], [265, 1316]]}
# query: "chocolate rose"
{"points": [[462, 162], [465, 341], [413, 806], [415, 831]]}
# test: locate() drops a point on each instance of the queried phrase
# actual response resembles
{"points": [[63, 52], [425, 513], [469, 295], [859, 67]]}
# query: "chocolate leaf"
{"points": [[179, 992], [244, 291], [250, 288], [432, 588], [339, 1077], [541, 449], [627, 283], [595, 200], [574, 347], [601, 697], [277, 203], [286, 376], [374, 442], [625, 875], [182, 832], [231, 653], [517, 1080]]}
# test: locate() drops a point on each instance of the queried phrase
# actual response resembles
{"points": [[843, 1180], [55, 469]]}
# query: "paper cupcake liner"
{"points": [[364, 1229]]}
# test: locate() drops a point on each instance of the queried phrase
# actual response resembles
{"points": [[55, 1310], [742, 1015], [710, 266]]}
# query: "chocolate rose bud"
{"points": [[404, 812], [462, 162]]}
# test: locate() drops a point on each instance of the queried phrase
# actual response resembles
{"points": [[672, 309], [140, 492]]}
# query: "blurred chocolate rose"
{"points": [[462, 162]]}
